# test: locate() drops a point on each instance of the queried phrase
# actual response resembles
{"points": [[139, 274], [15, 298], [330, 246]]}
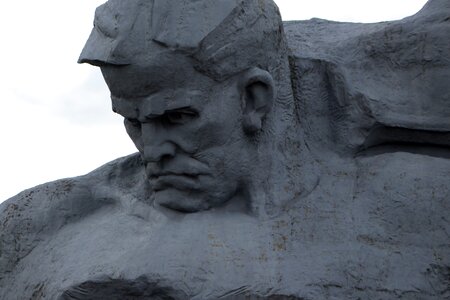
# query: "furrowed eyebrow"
{"points": [[152, 108]]}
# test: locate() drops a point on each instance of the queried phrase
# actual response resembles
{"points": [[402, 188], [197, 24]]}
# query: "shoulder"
{"points": [[36, 213]]}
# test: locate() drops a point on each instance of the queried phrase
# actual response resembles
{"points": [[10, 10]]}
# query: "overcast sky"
{"points": [[56, 117]]}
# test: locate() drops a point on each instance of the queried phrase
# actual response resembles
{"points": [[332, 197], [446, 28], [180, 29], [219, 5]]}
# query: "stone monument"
{"points": [[276, 160]]}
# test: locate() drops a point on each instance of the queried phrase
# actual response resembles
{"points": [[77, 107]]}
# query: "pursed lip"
{"points": [[169, 174], [180, 181], [176, 166], [179, 172]]}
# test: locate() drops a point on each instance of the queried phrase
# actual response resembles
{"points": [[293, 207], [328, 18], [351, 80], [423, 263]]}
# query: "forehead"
{"points": [[161, 71], [165, 82]]}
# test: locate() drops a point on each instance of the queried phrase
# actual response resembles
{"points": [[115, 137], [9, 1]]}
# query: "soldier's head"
{"points": [[205, 92]]}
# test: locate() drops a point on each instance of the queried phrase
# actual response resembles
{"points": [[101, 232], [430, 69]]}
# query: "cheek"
{"points": [[219, 127], [216, 135], [222, 122], [225, 162]]}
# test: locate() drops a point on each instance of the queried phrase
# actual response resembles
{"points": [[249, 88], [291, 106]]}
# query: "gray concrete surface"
{"points": [[310, 162]]}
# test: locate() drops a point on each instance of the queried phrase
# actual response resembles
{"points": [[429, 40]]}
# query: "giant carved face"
{"points": [[190, 97], [188, 129]]}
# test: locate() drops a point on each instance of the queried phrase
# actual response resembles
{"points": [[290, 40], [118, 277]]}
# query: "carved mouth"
{"points": [[166, 174], [386, 139], [171, 180]]}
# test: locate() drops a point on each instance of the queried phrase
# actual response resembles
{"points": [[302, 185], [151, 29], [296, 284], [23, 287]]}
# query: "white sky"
{"points": [[56, 118]]}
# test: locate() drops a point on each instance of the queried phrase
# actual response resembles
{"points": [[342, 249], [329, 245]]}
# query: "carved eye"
{"points": [[180, 116]]}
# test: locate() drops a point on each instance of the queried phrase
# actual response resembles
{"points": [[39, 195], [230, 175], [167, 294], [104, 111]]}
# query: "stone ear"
{"points": [[258, 94]]}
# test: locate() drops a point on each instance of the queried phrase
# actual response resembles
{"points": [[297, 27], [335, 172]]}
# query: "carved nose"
{"points": [[156, 142], [157, 153]]}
